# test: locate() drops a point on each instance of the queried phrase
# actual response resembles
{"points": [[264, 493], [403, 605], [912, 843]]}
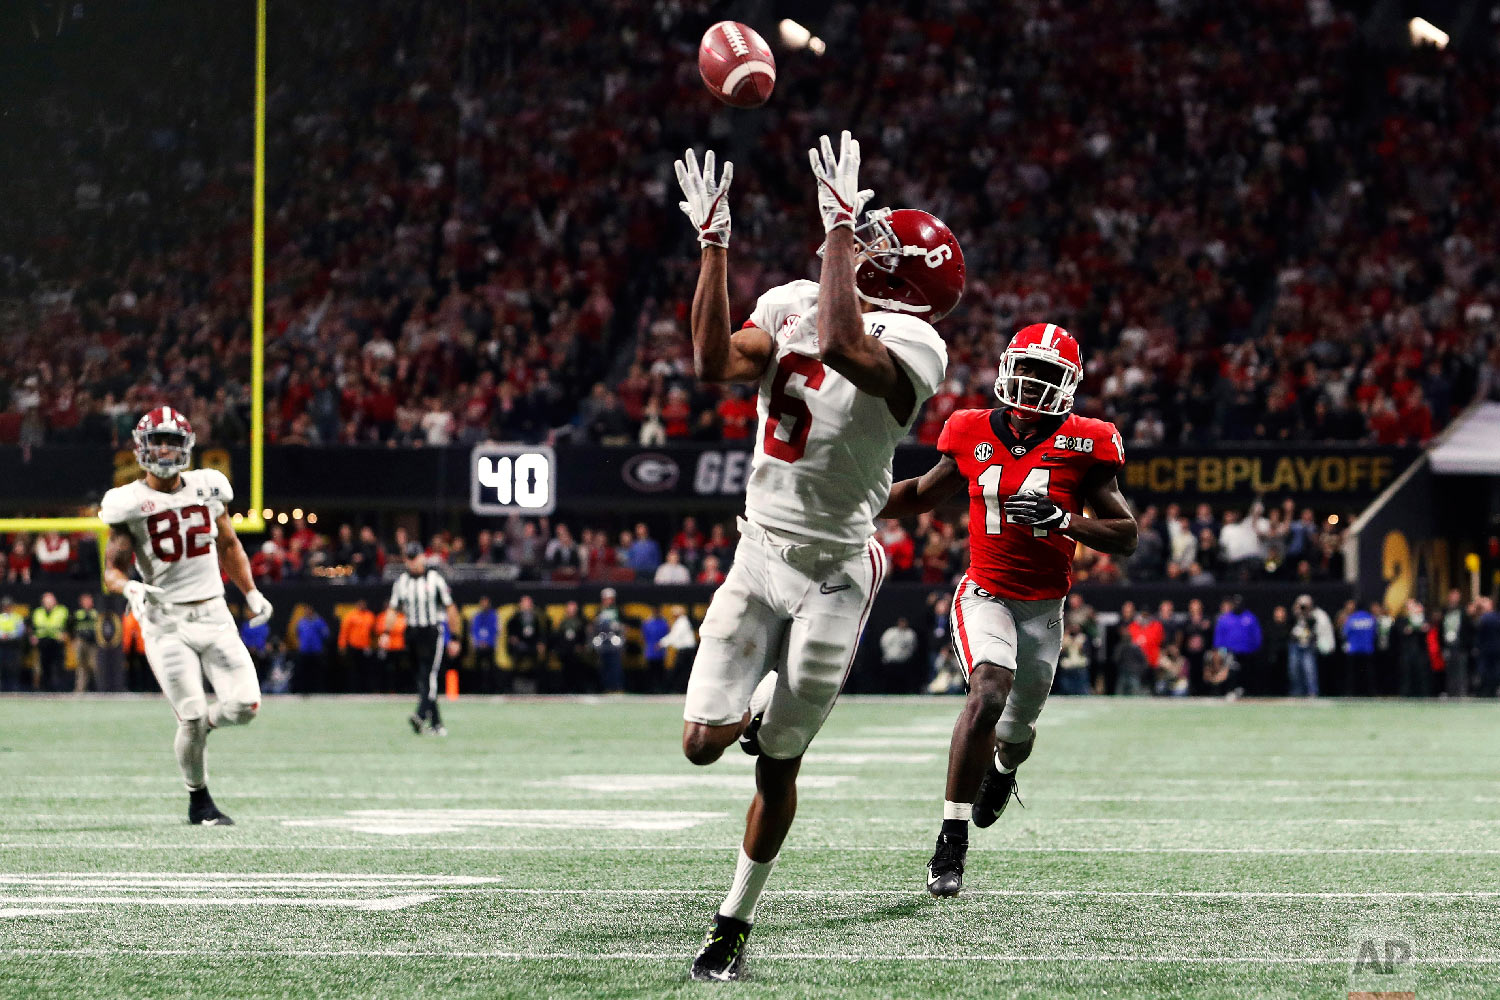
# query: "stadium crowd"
{"points": [[1199, 547], [1302, 650], [1268, 232]]}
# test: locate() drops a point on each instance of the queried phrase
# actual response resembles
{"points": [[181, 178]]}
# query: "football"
{"points": [[736, 64]]}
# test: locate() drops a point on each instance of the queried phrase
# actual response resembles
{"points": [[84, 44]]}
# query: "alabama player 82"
{"points": [[1031, 466]]}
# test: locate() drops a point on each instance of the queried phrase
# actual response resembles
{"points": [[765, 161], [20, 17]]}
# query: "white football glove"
{"points": [[138, 594], [707, 204], [839, 198], [259, 607]]}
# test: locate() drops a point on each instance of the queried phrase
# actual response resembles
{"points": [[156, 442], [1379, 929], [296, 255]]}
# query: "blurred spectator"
{"points": [[683, 642], [710, 574], [1311, 638], [607, 637], [571, 642], [83, 627], [49, 632], [673, 571], [1360, 632], [356, 645], [1487, 647], [1456, 634], [654, 630], [1221, 674], [1412, 656], [899, 548], [899, 646], [1073, 661], [18, 565], [484, 634], [1131, 668], [54, 554], [526, 642], [12, 645], [1171, 676], [1238, 631], [313, 636], [644, 554]]}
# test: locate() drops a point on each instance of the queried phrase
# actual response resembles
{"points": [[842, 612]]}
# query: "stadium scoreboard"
{"points": [[512, 479]]}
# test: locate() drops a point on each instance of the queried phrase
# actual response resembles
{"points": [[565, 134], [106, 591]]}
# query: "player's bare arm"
{"points": [[925, 492], [1112, 529], [846, 348], [119, 556], [720, 354], [236, 565]]}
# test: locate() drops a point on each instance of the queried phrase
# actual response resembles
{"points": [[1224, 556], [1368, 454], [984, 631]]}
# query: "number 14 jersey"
{"points": [[822, 464], [1011, 560], [174, 533]]}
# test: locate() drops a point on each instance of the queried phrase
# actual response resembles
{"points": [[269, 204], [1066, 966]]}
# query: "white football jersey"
{"points": [[822, 465], [174, 533]]}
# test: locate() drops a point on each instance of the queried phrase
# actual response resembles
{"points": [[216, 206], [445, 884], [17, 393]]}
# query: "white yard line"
{"points": [[349, 903], [800, 849], [967, 957]]}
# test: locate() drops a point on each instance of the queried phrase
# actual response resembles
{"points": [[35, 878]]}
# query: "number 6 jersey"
{"points": [[174, 532], [1011, 560], [822, 465]]}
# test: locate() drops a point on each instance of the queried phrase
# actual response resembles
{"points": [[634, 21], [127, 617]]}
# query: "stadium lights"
{"points": [[296, 513], [266, 514], [312, 518], [1424, 31], [238, 518], [795, 36], [281, 518], [1333, 519]]}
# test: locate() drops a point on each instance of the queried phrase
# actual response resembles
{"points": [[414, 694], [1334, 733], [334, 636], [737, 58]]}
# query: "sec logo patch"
{"points": [[983, 451]]}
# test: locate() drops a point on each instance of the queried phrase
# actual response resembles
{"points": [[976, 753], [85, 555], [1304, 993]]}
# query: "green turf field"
{"points": [[565, 848]]}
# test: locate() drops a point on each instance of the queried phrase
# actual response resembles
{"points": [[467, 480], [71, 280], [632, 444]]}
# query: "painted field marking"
{"points": [[350, 903], [403, 822], [637, 783], [178, 848], [968, 957]]}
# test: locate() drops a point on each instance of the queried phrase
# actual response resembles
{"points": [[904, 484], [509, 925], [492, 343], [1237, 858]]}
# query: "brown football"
{"points": [[736, 64]]}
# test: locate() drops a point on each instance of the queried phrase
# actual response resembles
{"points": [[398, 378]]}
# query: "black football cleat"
{"points": [[416, 723], [722, 957], [995, 793], [945, 872], [203, 812], [750, 738]]}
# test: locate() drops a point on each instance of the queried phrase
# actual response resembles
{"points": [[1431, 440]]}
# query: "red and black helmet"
{"points": [[910, 262], [1058, 354], [164, 428]]}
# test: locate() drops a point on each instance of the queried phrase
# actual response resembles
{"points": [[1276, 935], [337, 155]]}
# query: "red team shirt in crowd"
{"points": [[1010, 560]]}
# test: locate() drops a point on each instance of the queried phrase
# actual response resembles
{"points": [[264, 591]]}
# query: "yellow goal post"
{"points": [[251, 522]]}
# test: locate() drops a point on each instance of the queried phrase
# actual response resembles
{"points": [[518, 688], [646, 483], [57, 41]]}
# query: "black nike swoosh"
{"points": [[1054, 624], [825, 589]]}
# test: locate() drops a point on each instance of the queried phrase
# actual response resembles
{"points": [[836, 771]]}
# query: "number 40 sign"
{"points": [[512, 479]]}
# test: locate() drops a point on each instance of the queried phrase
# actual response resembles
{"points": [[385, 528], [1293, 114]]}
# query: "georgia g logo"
{"points": [[983, 451]]}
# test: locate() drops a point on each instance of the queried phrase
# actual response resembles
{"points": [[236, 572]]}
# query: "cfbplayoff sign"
{"points": [[1382, 965]]}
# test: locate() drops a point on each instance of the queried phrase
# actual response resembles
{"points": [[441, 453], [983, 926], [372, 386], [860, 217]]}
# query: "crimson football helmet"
{"points": [[1052, 346], [164, 442], [910, 262]]}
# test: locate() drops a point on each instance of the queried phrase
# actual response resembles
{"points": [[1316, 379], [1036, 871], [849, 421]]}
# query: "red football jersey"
{"points": [[1010, 560]]}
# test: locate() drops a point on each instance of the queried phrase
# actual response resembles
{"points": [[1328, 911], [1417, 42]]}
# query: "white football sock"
{"points": [[1000, 764], [957, 810], [749, 880], [192, 734]]}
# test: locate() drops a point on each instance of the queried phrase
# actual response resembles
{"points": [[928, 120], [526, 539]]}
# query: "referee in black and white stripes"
{"points": [[422, 595]]}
